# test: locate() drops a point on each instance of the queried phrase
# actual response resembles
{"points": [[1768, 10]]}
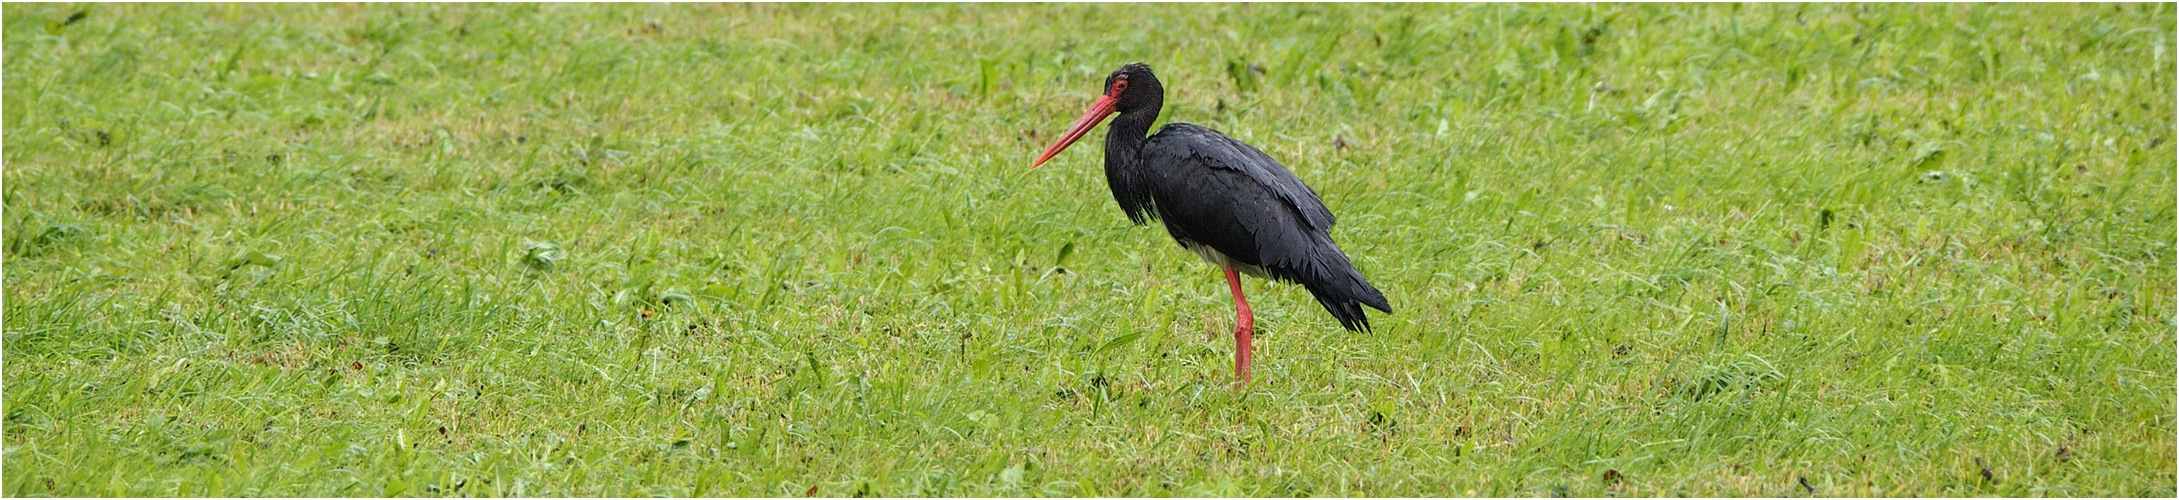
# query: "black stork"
{"points": [[1222, 199]]}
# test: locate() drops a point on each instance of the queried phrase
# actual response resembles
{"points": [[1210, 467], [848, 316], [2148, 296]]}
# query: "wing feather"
{"points": [[1217, 150], [1209, 189]]}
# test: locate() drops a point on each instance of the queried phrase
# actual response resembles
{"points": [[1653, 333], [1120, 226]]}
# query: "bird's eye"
{"points": [[1117, 88]]}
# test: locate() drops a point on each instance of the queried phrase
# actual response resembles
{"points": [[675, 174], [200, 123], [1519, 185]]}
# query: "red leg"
{"points": [[1244, 328]]}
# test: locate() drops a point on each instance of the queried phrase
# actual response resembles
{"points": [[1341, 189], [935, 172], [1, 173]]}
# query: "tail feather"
{"points": [[1338, 286]]}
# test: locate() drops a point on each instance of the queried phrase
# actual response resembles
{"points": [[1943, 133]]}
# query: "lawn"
{"points": [[797, 250]]}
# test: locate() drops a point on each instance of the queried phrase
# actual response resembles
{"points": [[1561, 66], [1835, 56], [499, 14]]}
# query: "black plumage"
{"points": [[1223, 199], [1215, 193]]}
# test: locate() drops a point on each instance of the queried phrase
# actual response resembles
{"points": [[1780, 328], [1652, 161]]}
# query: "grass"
{"points": [[796, 249]]}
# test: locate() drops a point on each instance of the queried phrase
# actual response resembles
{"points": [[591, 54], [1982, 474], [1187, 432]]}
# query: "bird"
{"points": [[1224, 200]]}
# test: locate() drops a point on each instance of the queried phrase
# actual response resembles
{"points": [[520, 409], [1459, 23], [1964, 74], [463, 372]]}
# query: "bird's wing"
{"points": [[1215, 191], [1182, 141]]}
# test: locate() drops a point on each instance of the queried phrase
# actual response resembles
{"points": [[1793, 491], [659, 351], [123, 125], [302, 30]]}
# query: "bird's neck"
{"points": [[1125, 137]]}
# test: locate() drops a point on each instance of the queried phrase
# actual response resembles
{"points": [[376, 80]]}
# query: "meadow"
{"points": [[789, 250]]}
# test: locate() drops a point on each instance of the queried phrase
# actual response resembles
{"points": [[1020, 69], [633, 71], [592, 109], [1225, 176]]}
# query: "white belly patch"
{"points": [[1213, 256]]}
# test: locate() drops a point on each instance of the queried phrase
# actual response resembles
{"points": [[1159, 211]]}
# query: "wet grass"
{"points": [[786, 250]]}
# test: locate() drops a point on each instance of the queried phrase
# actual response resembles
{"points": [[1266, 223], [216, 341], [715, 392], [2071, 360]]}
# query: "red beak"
{"points": [[1089, 120]]}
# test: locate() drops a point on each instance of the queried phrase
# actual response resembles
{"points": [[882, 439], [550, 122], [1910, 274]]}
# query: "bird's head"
{"points": [[1130, 89], [1135, 87]]}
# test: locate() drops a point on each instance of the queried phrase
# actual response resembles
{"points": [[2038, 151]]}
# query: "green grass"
{"points": [[784, 249]]}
